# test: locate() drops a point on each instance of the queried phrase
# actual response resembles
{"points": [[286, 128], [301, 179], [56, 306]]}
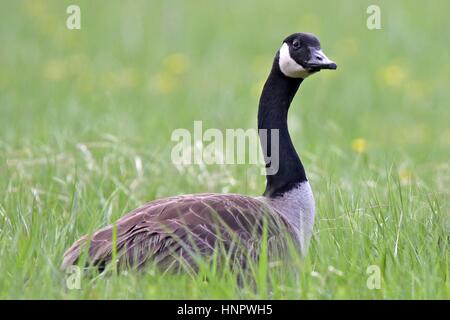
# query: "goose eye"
{"points": [[296, 44]]}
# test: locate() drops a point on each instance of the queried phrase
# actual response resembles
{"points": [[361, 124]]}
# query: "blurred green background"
{"points": [[86, 117]]}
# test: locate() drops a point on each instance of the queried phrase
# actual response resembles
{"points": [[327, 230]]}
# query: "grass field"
{"points": [[86, 118]]}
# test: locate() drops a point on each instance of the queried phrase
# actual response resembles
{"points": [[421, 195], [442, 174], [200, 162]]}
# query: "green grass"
{"points": [[79, 110]]}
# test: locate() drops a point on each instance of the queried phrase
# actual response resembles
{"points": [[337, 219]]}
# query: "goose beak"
{"points": [[320, 61]]}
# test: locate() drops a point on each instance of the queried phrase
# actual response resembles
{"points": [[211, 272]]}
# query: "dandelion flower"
{"points": [[163, 83], [405, 176], [393, 75], [55, 70], [176, 63], [123, 78], [359, 145]]}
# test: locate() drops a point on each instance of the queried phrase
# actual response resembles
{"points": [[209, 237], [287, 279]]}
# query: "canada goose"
{"points": [[170, 230]]}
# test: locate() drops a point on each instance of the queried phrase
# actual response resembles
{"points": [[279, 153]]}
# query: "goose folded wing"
{"points": [[179, 229]]}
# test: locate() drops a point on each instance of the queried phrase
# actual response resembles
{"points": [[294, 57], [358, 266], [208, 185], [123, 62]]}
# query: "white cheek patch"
{"points": [[289, 66]]}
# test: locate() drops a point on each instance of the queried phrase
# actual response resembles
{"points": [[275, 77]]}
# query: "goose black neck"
{"points": [[277, 95]]}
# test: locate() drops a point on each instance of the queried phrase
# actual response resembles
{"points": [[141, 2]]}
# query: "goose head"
{"points": [[301, 55]]}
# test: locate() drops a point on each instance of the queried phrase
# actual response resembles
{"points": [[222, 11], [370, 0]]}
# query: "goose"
{"points": [[175, 231]]}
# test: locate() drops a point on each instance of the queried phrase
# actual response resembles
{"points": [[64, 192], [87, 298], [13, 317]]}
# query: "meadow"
{"points": [[86, 118]]}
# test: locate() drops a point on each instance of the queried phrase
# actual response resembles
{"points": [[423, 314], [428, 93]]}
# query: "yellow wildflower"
{"points": [[359, 145], [348, 47], [176, 63], [43, 19], [55, 70], [63, 68], [123, 78], [163, 83], [393, 75], [405, 176]]}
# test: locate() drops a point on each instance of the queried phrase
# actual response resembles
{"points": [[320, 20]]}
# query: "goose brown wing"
{"points": [[177, 229]]}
